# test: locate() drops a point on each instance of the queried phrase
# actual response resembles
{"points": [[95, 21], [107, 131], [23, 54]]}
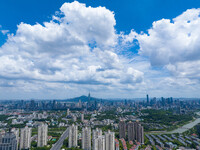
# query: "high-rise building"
{"points": [[86, 138], [32, 104], [74, 118], [82, 117], [89, 97], [122, 129], [98, 143], [131, 131], [109, 140], [68, 112], [95, 104], [16, 132], [73, 136], [80, 104], [8, 141], [147, 99], [89, 102], [25, 138], [55, 104], [96, 133], [135, 131], [42, 135], [139, 132]]}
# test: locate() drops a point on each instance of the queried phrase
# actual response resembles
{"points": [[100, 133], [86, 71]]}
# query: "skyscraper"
{"points": [[131, 131], [42, 135], [25, 138], [109, 140], [8, 141], [73, 136], [86, 138], [122, 129], [89, 97], [147, 99]]}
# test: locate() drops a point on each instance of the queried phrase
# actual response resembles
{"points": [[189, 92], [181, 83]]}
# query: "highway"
{"points": [[59, 143]]}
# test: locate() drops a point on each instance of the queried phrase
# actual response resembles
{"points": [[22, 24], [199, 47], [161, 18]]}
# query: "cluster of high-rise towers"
{"points": [[134, 131], [98, 141], [11, 139]]}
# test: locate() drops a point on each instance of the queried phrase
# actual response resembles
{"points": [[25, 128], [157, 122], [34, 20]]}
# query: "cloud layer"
{"points": [[79, 51], [174, 44], [76, 49]]}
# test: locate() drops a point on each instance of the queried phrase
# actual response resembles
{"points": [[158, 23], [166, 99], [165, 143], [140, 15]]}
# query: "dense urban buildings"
{"points": [[115, 124]]}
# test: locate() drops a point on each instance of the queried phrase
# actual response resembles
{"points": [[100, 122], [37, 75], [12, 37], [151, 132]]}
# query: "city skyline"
{"points": [[98, 124], [111, 49]]}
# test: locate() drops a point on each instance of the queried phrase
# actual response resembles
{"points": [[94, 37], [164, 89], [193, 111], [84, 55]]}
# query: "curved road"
{"points": [[59, 143]]}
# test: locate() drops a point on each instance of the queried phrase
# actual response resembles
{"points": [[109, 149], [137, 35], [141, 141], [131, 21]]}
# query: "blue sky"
{"points": [[129, 14], [137, 61]]}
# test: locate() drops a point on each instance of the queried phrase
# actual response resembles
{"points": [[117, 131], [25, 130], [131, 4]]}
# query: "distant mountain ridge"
{"points": [[83, 98]]}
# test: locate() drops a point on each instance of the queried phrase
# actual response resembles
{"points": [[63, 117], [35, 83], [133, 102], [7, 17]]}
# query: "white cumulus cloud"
{"points": [[171, 41], [174, 44], [73, 50]]}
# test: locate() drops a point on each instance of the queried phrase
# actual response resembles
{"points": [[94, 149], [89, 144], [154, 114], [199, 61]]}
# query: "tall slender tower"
{"points": [[147, 99], [86, 138], [25, 138], [122, 129], [73, 136], [109, 140], [88, 97], [42, 135]]}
